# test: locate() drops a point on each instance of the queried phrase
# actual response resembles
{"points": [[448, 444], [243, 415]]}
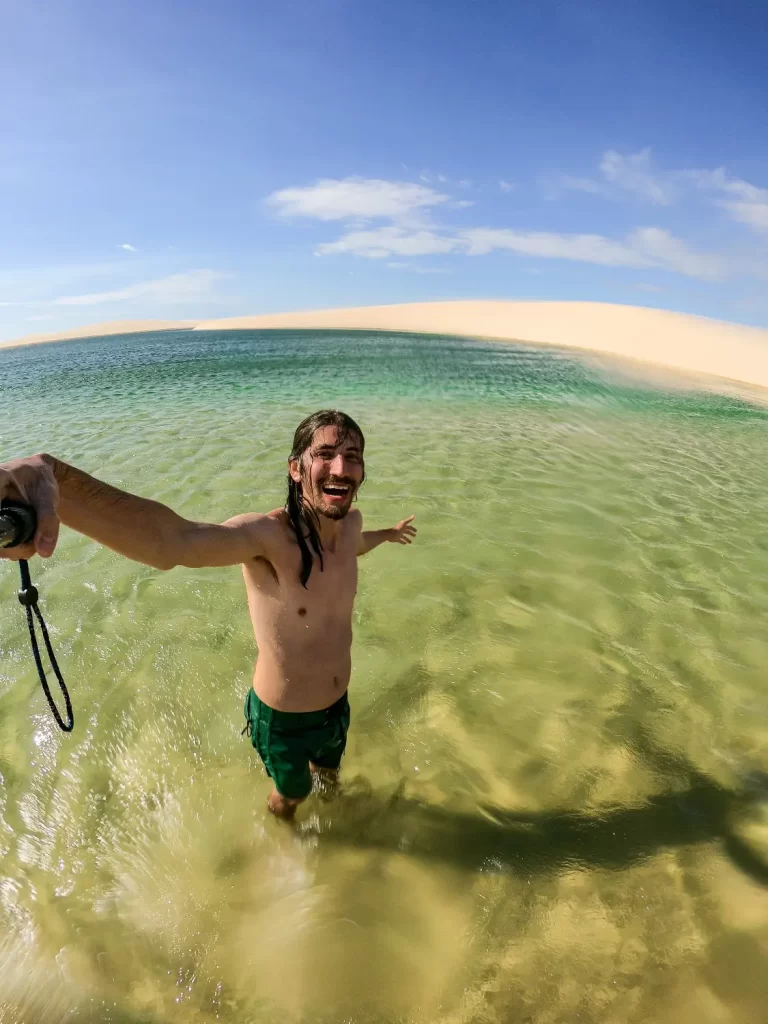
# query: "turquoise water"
{"points": [[553, 808]]}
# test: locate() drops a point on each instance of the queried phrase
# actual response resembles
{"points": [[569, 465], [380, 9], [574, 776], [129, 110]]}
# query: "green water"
{"points": [[552, 807]]}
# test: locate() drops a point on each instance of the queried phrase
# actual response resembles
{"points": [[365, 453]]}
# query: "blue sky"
{"points": [[192, 159]]}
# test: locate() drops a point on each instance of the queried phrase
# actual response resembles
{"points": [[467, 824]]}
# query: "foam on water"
{"points": [[553, 806]]}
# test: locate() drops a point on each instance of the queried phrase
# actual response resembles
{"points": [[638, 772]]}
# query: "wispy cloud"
{"points": [[645, 247], [506, 186], [381, 243], [635, 174], [746, 203], [356, 199], [194, 284], [128, 247], [649, 247], [411, 228], [620, 174], [41, 316]]}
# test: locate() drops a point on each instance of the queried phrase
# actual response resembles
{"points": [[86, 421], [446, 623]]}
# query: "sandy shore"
{"points": [[675, 341], [101, 330]]}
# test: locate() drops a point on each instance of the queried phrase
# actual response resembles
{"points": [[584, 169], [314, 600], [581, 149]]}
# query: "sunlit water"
{"points": [[552, 810]]}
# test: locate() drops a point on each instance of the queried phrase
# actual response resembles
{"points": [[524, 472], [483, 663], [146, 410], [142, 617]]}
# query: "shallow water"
{"points": [[553, 809]]}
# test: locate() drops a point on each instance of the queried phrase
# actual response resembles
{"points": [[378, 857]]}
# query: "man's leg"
{"points": [[329, 749], [282, 806], [327, 775]]}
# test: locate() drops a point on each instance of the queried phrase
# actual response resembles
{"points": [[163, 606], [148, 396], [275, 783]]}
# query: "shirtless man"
{"points": [[300, 568]]}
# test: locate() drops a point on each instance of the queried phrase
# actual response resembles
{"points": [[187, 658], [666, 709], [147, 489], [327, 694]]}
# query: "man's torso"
{"points": [[304, 635]]}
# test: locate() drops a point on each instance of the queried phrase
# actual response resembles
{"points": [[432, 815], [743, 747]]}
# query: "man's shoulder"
{"points": [[264, 527], [260, 520]]}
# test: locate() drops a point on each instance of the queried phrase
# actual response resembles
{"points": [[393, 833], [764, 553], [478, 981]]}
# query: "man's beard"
{"points": [[334, 512], [327, 510]]}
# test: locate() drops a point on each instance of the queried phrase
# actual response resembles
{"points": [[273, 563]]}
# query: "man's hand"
{"points": [[400, 534], [403, 532], [32, 482]]}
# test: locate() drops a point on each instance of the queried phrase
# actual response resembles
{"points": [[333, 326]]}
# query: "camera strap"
{"points": [[28, 597]]}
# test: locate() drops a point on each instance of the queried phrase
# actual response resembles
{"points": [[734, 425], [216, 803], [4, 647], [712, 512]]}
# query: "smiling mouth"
{"points": [[337, 490]]}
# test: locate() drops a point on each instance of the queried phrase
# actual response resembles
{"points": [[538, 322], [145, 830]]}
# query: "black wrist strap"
{"points": [[28, 597]]}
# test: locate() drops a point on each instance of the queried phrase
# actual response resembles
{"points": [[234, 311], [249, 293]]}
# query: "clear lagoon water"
{"points": [[554, 799]]}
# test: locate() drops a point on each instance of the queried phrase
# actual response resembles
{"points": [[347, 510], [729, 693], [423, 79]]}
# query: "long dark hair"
{"points": [[303, 519]]}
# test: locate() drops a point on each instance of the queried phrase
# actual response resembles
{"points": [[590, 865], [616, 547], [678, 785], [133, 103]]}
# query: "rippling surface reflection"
{"points": [[554, 806]]}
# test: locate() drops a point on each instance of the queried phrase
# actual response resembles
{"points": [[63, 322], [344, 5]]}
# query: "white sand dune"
{"points": [[676, 341], [103, 329]]}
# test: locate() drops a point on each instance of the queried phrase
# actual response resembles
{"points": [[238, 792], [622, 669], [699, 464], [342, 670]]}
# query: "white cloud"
{"points": [[128, 247], [746, 203], [549, 245], [380, 243], [621, 173], [506, 186], [408, 232], [633, 173], [41, 316], [356, 198], [645, 247], [664, 250], [186, 287]]}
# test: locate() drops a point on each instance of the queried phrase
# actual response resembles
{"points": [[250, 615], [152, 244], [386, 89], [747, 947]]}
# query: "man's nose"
{"points": [[338, 465]]}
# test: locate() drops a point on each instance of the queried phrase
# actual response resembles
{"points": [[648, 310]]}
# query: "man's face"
{"points": [[330, 471]]}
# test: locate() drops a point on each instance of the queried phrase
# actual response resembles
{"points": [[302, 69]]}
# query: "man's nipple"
{"points": [[302, 611]]}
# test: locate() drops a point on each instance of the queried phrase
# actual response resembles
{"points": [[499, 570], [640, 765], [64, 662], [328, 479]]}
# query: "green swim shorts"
{"points": [[286, 741]]}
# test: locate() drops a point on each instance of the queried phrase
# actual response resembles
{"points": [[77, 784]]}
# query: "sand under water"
{"points": [[554, 802]]}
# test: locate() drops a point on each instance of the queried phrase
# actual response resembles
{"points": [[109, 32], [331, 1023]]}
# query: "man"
{"points": [[300, 568]]}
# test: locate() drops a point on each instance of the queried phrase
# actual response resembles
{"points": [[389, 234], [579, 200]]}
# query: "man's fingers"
{"points": [[47, 534], [44, 496], [16, 554]]}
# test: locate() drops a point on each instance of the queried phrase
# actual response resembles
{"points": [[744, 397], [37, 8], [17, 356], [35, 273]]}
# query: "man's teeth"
{"points": [[338, 489]]}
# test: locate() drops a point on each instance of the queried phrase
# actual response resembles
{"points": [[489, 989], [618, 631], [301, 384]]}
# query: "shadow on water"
{"points": [[692, 809], [537, 843]]}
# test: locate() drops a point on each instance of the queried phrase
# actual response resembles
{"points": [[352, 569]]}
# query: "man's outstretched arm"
{"points": [[403, 533], [136, 527]]}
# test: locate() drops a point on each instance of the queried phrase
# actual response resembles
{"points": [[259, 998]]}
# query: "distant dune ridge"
{"points": [[676, 341], [102, 330]]}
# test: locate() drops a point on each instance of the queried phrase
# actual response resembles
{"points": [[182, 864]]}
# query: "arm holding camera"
{"points": [[139, 528]]}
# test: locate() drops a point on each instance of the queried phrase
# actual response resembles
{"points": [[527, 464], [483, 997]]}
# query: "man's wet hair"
{"points": [[303, 519]]}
